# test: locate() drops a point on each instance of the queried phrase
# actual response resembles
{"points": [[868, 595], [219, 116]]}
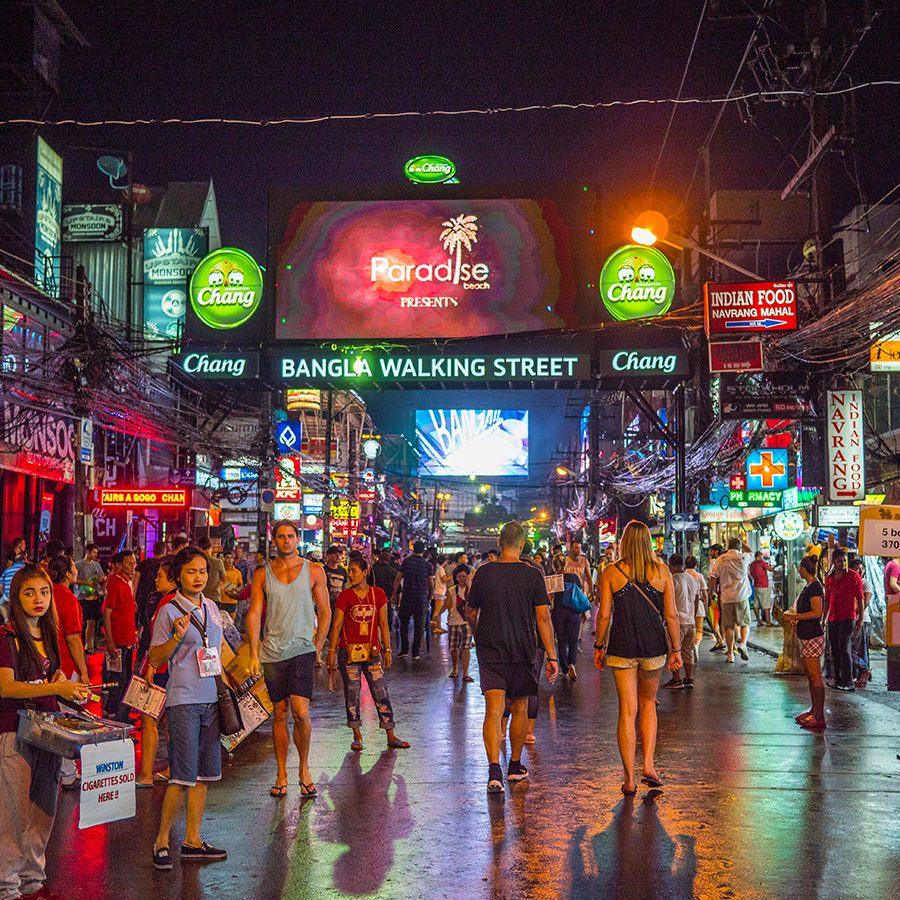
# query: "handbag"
{"points": [[230, 721], [575, 600]]}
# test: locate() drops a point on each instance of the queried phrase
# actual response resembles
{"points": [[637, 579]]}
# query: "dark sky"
{"points": [[272, 59], [265, 60]]}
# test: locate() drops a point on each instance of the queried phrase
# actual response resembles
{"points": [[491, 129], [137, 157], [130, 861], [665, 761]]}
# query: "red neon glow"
{"points": [[143, 497]]}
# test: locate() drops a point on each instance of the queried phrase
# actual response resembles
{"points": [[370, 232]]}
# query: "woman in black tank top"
{"points": [[637, 605]]}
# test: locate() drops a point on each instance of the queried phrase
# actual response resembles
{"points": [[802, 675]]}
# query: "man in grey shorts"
{"points": [[298, 616], [730, 573]]}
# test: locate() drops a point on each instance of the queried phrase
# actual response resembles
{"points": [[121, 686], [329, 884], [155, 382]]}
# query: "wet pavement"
{"points": [[753, 806]]}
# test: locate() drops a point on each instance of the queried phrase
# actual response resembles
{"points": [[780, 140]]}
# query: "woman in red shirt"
{"points": [[360, 615]]}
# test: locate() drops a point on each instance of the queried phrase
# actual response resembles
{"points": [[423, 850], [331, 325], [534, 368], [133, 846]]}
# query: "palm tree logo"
{"points": [[458, 233]]}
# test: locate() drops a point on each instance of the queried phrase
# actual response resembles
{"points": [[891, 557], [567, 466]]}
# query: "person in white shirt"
{"points": [[690, 569], [687, 602], [441, 579], [730, 574]]}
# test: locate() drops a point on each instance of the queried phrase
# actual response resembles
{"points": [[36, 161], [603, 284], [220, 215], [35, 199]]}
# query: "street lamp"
{"points": [[563, 472], [652, 228]]}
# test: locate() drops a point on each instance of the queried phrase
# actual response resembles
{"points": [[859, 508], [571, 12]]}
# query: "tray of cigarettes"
{"points": [[65, 733]]}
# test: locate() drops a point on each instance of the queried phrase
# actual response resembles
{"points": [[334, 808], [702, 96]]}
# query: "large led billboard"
{"points": [[423, 268], [480, 442]]}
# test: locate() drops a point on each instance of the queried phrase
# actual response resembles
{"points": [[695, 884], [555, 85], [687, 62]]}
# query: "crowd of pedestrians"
{"points": [[165, 618]]}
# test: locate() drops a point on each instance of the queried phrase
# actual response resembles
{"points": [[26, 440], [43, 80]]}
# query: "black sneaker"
{"points": [[162, 859], [716, 648], [688, 684], [495, 779], [516, 771], [203, 853], [674, 684], [416, 658], [402, 653], [743, 651]]}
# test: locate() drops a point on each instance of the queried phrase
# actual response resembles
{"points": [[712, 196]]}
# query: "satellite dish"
{"points": [[114, 168]]}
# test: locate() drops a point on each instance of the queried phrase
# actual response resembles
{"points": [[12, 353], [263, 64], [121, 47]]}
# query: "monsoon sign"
{"points": [[226, 288], [637, 283]]}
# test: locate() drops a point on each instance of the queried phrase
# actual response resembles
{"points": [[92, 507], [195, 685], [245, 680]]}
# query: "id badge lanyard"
{"points": [[208, 661]]}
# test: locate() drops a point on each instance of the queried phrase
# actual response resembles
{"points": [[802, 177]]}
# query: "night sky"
{"points": [[265, 60]]}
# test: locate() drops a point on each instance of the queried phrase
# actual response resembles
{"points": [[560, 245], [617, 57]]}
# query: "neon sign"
{"points": [[226, 288], [637, 283], [430, 169], [162, 499]]}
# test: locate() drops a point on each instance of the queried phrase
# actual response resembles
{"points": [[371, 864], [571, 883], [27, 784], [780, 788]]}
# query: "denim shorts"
{"points": [[195, 753]]}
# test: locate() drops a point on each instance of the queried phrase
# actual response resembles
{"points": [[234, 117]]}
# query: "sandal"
{"points": [[630, 793], [813, 724], [803, 717], [356, 746], [278, 790], [468, 679], [308, 791], [651, 781], [397, 744], [162, 859], [453, 675]]}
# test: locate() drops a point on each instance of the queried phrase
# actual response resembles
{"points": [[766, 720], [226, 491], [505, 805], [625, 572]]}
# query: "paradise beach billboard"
{"points": [[426, 268]]}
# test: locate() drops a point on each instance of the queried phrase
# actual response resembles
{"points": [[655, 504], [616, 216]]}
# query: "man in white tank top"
{"points": [[298, 615]]}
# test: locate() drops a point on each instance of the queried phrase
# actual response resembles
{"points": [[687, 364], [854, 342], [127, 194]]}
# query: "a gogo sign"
{"points": [[637, 283], [226, 288]]}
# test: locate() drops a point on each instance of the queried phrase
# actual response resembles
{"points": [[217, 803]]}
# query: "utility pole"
{"points": [[326, 503], [593, 527], [78, 538]]}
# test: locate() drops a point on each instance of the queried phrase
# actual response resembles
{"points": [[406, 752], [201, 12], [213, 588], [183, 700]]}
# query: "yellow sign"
{"points": [[879, 530], [884, 355], [342, 508]]}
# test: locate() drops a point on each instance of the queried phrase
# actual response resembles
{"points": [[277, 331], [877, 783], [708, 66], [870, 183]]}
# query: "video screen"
{"points": [[480, 442], [422, 269]]}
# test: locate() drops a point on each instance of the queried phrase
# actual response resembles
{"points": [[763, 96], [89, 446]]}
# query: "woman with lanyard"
{"points": [[638, 595], [360, 615], [811, 635], [187, 635], [30, 677]]}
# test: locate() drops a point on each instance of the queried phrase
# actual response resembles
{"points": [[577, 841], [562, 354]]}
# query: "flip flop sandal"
{"points": [[468, 679], [398, 745], [628, 793], [802, 717], [650, 781], [357, 746], [308, 791], [278, 790]]}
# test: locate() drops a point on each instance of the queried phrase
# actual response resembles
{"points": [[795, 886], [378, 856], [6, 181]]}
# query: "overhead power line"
{"points": [[763, 96]]}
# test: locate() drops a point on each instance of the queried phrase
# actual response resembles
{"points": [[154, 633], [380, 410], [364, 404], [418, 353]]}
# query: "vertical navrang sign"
{"points": [[845, 454]]}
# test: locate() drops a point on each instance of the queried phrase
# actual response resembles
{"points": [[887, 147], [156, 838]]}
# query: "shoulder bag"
{"points": [[575, 600], [230, 721]]}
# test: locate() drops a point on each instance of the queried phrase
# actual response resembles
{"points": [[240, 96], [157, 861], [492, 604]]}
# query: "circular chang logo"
{"points": [[226, 288], [637, 283]]}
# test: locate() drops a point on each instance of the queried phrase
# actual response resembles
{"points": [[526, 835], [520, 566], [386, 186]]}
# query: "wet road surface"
{"points": [[753, 806]]}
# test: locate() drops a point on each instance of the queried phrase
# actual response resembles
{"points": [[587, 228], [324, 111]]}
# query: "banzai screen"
{"points": [[422, 268], [480, 442]]}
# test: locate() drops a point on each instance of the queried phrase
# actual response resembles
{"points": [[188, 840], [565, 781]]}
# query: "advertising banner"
{"points": [[643, 362], [767, 396], [735, 356], [880, 531], [637, 282], [92, 222], [845, 452], [35, 442], [884, 355], [422, 268], [170, 257], [48, 218], [481, 442], [748, 308]]}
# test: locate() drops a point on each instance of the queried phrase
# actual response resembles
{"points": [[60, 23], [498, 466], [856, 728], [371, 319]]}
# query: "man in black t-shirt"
{"points": [[506, 601], [417, 577], [384, 573]]}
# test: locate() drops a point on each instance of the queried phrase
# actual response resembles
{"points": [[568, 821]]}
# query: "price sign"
{"points": [[879, 530]]}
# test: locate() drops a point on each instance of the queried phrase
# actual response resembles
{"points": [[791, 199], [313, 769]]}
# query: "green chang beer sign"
{"points": [[226, 288], [637, 283], [430, 169]]}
